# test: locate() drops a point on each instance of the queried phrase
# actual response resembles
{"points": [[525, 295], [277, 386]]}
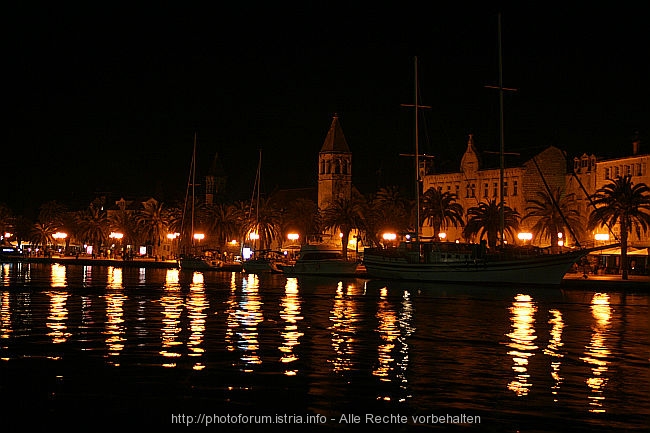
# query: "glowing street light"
{"points": [[525, 236], [293, 236], [58, 236]]}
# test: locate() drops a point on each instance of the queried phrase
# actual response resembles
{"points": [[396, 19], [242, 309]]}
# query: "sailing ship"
{"points": [[191, 257], [262, 261], [436, 261]]}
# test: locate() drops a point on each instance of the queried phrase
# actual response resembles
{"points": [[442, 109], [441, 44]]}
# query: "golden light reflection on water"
{"points": [[196, 304], [554, 350], [114, 278], [394, 328], [87, 276], [344, 317], [58, 277], [596, 352], [115, 329], [522, 340], [388, 329], [243, 318], [5, 316], [5, 275], [290, 313], [57, 317], [172, 304]]}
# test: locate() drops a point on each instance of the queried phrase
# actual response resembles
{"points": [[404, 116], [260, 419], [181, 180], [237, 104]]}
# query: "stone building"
{"points": [[334, 166], [478, 182], [590, 174]]}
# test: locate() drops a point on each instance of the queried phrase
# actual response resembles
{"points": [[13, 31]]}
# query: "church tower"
{"points": [[334, 166], [215, 181]]}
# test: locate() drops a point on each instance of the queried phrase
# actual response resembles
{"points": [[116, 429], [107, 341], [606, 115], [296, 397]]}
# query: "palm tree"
{"points": [[440, 210], [93, 226], [124, 221], [302, 216], [625, 203], [52, 212], [152, 223], [266, 221], [485, 220], [555, 214], [385, 211], [42, 235], [222, 220], [344, 215]]}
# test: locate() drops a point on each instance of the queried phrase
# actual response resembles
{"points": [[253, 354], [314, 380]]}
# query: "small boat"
{"points": [[199, 263], [10, 253], [264, 262], [321, 260]]}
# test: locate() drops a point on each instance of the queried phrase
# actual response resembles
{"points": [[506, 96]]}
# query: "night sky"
{"points": [[108, 98]]}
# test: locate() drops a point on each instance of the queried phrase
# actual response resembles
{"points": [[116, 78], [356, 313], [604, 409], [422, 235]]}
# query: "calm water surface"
{"points": [[104, 349]]}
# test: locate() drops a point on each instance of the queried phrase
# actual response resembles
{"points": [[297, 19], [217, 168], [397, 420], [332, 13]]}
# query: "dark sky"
{"points": [[108, 97]]}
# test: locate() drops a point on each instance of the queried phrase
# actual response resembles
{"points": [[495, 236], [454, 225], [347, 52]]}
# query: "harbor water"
{"points": [[101, 348]]}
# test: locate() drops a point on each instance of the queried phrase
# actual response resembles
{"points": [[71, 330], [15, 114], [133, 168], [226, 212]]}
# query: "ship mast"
{"points": [[501, 139], [417, 106]]}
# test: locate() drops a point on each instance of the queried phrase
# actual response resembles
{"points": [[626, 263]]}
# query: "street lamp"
{"points": [[117, 237], [525, 236], [57, 236], [172, 237]]}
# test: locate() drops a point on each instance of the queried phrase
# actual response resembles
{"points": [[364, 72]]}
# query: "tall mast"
{"points": [[417, 151], [193, 171], [502, 145], [501, 136], [417, 157]]}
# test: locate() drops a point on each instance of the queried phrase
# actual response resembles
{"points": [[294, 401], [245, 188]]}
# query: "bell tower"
{"points": [[334, 166]]}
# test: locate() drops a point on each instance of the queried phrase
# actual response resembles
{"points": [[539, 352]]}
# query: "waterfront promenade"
{"points": [[575, 280]]}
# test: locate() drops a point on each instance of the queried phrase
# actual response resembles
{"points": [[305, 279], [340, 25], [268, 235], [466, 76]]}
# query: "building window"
{"points": [[607, 173], [467, 191], [515, 187], [473, 190], [505, 189], [639, 172], [617, 171], [495, 190], [485, 191], [628, 170]]}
